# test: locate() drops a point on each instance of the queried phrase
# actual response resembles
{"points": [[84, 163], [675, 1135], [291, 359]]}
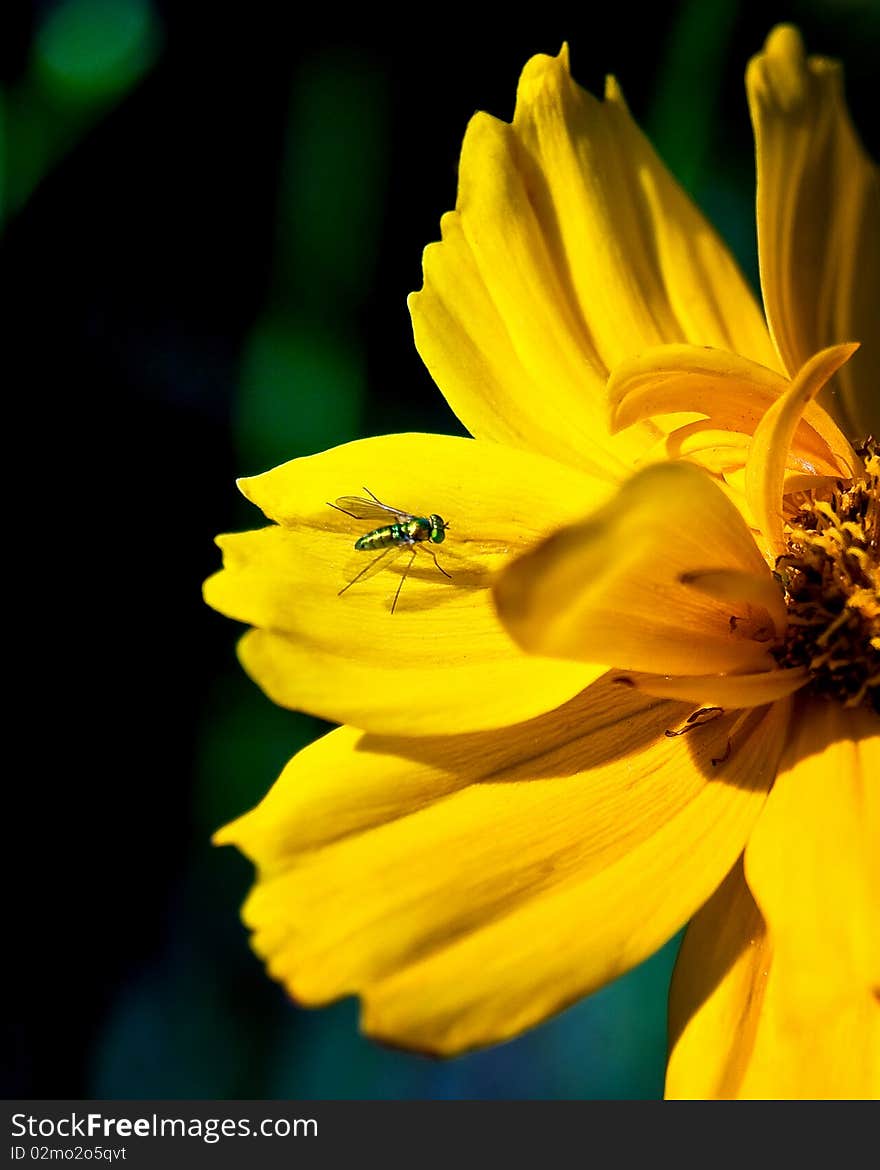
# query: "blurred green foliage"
{"points": [[303, 383], [89, 51], [87, 54]]}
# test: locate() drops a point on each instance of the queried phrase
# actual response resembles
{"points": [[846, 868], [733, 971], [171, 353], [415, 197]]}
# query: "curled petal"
{"points": [[733, 392], [617, 587], [768, 453]]}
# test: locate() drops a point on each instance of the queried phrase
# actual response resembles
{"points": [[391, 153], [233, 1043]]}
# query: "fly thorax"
{"points": [[831, 579]]}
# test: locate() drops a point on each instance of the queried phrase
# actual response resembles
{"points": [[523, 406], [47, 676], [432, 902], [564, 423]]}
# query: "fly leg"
{"points": [[431, 552], [412, 557], [415, 549]]}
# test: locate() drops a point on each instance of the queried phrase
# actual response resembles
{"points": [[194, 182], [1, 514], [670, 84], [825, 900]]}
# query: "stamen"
{"points": [[831, 579], [734, 731], [706, 715], [696, 719]]}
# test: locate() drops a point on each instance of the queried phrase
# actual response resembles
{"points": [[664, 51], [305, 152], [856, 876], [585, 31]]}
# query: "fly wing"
{"points": [[380, 562], [372, 510]]}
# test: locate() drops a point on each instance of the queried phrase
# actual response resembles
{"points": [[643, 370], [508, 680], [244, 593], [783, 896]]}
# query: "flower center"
{"points": [[831, 578]]}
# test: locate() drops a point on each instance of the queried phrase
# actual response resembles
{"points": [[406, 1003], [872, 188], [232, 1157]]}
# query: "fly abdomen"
{"points": [[380, 538]]}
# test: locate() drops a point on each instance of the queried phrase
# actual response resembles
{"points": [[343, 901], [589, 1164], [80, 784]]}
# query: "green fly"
{"points": [[397, 532]]}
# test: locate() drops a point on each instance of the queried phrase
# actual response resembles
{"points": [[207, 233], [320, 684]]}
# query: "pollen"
{"points": [[831, 577]]}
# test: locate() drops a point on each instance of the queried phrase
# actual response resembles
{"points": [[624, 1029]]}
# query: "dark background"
{"points": [[212, 217]]}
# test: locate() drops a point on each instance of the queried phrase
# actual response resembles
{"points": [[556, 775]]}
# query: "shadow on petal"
{"points": [[606, 722]]}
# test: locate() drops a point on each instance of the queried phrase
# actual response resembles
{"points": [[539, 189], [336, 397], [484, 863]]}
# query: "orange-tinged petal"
{"points": [[614, 587], [663, 379], [813, 865], [733, 392], [570, 249], [716, 449], [818, 221], [442, 660], [467, 886], [768, 454], [717, 994]]}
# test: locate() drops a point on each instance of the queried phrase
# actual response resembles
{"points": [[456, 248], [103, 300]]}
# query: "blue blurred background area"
{"points": [[211, 218]]}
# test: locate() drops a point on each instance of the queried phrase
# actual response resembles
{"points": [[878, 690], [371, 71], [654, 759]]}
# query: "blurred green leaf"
{"points": [[87, 54], [683, 114], [332, 183], [301, 391], [94, 50]]}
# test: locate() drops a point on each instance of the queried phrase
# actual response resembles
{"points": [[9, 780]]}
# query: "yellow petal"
{"points": [[804, 1051], [442, 660], [571, 248], [731, 585], [733, 392], [732, 1034], [813, 865], [497, 326], [813, 862], [768, 454], [716, 449], [716, 995], [614, 587], [818, 221], [468, 886], [476, 683], [711, 302]]}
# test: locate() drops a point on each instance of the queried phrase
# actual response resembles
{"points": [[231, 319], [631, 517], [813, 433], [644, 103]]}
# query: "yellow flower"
{"points": [[647, 694]]}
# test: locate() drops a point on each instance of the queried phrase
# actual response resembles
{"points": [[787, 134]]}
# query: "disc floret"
{"points": [[831, 577]]}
